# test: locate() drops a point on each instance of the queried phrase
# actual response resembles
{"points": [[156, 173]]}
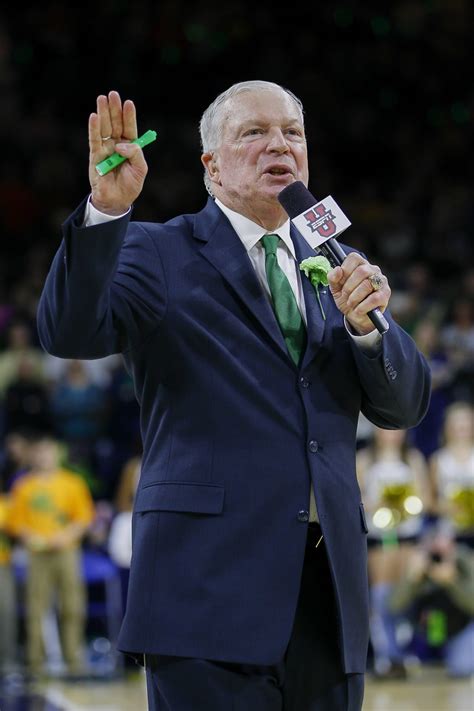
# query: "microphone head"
{"points": [[296, 198], [316, 221]]}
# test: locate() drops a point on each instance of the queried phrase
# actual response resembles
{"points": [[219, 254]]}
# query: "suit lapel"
{"points": [[314, 317], [223, 249]]}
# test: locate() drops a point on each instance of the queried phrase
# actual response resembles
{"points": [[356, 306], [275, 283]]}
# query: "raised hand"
{"points": [[111, 129]]}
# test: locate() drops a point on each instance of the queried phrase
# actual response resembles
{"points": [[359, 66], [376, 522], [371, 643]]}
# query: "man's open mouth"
{"points": [[279, 171]]}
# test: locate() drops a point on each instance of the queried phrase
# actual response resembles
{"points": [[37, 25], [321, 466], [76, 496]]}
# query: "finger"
{"points": [[376, 300], [115, 107], [134, 153], [357, 296], [364, 289], [360, 275], [336, 278], [351, 262], [129, 114], [103, 111], [95, 139]]}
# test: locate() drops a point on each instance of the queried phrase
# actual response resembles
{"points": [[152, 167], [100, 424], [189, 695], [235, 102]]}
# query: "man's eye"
{"points": [[253, 132], [293, 131]]}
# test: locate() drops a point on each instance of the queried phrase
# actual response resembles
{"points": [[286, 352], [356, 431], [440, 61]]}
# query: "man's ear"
{"points": [[210, 163]]}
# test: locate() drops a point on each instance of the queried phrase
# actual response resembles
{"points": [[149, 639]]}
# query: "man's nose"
{"points": [[277, 141]]}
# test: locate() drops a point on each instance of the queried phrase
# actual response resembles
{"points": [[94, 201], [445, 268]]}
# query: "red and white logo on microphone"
{"points": [[323, 220]]}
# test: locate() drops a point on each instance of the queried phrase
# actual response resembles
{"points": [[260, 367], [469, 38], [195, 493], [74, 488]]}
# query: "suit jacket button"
{"points": [[303, 516], [313, 446], [304, 383]]}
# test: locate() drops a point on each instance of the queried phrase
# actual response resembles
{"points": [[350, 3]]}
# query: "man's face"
{"points": [[262, 150]]}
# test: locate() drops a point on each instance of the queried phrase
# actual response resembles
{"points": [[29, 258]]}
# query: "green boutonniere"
{"points": [[316, 269]]}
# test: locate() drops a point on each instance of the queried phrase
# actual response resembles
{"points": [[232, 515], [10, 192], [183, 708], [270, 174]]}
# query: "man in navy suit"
{"points": [[248, 584]]}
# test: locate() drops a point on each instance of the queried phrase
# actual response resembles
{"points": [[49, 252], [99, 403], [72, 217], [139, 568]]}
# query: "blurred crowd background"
{"points": [[389, 119]]}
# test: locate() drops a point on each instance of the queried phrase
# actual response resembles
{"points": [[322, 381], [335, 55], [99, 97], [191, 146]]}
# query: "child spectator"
{"points": [[51, 509]]}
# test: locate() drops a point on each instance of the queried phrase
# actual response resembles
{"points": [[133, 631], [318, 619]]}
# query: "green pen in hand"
{"points": [[108, 164]]}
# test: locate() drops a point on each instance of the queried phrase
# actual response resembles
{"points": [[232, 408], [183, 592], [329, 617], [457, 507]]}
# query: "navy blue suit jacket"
{"points": [[233, 433]]}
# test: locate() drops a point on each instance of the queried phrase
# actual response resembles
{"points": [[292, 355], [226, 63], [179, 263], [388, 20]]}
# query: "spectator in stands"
{"points": [[51, 509], [26, 404], [120, 535], [452, 471], [79, 410], [437, 595], [19, 348], [395, 491], [457, 338], [427, 435], [128, 484], [14, 457], [100, 371]]}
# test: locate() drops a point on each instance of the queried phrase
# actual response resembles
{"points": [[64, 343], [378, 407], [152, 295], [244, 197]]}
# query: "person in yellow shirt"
{"points": [[51, 510]]}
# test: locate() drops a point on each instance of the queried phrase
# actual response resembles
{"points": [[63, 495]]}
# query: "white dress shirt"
{"points": [[250, 234]]}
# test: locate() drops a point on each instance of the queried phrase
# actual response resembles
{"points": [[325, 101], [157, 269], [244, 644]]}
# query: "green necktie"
{"points": [[284, 302]]}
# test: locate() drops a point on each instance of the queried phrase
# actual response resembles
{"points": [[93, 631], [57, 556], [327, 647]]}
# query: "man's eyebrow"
{"points": [[261, 122], [253, 122]]}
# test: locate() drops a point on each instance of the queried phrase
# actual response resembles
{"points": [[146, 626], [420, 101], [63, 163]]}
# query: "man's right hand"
{"points": [[110, 130]]}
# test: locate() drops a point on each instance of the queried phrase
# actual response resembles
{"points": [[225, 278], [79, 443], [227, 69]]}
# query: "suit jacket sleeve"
{"points": [[105, 292], [395, 382]]}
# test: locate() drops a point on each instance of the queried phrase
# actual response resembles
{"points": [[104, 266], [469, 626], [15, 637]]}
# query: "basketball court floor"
{"points": [[427, 690]]}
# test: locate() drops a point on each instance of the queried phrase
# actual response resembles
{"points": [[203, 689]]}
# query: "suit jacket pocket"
{"points": [[185, 496], [362, 518]]}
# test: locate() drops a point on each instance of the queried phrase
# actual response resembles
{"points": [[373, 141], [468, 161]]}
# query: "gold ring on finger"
{"points": [[376, 281]]}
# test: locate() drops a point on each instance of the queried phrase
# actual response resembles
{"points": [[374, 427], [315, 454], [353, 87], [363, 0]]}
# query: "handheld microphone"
{"points": [[319, 222]]}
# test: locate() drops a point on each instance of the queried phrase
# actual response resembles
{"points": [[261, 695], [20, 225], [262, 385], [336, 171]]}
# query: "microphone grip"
{"points": [[334, 253], [379, 320]]}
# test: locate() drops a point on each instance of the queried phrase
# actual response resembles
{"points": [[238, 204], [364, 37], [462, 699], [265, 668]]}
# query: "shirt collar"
{"points": [[250, 232]]}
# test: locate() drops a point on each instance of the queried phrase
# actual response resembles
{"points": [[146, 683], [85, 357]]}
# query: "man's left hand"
{"points": [[354, 294]]}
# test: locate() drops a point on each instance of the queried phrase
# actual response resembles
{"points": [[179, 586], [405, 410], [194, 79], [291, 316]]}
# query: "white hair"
{"points": [[210, 126]]}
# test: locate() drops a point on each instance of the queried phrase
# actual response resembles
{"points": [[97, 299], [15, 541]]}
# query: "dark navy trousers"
{"points": [[309, 678]]}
